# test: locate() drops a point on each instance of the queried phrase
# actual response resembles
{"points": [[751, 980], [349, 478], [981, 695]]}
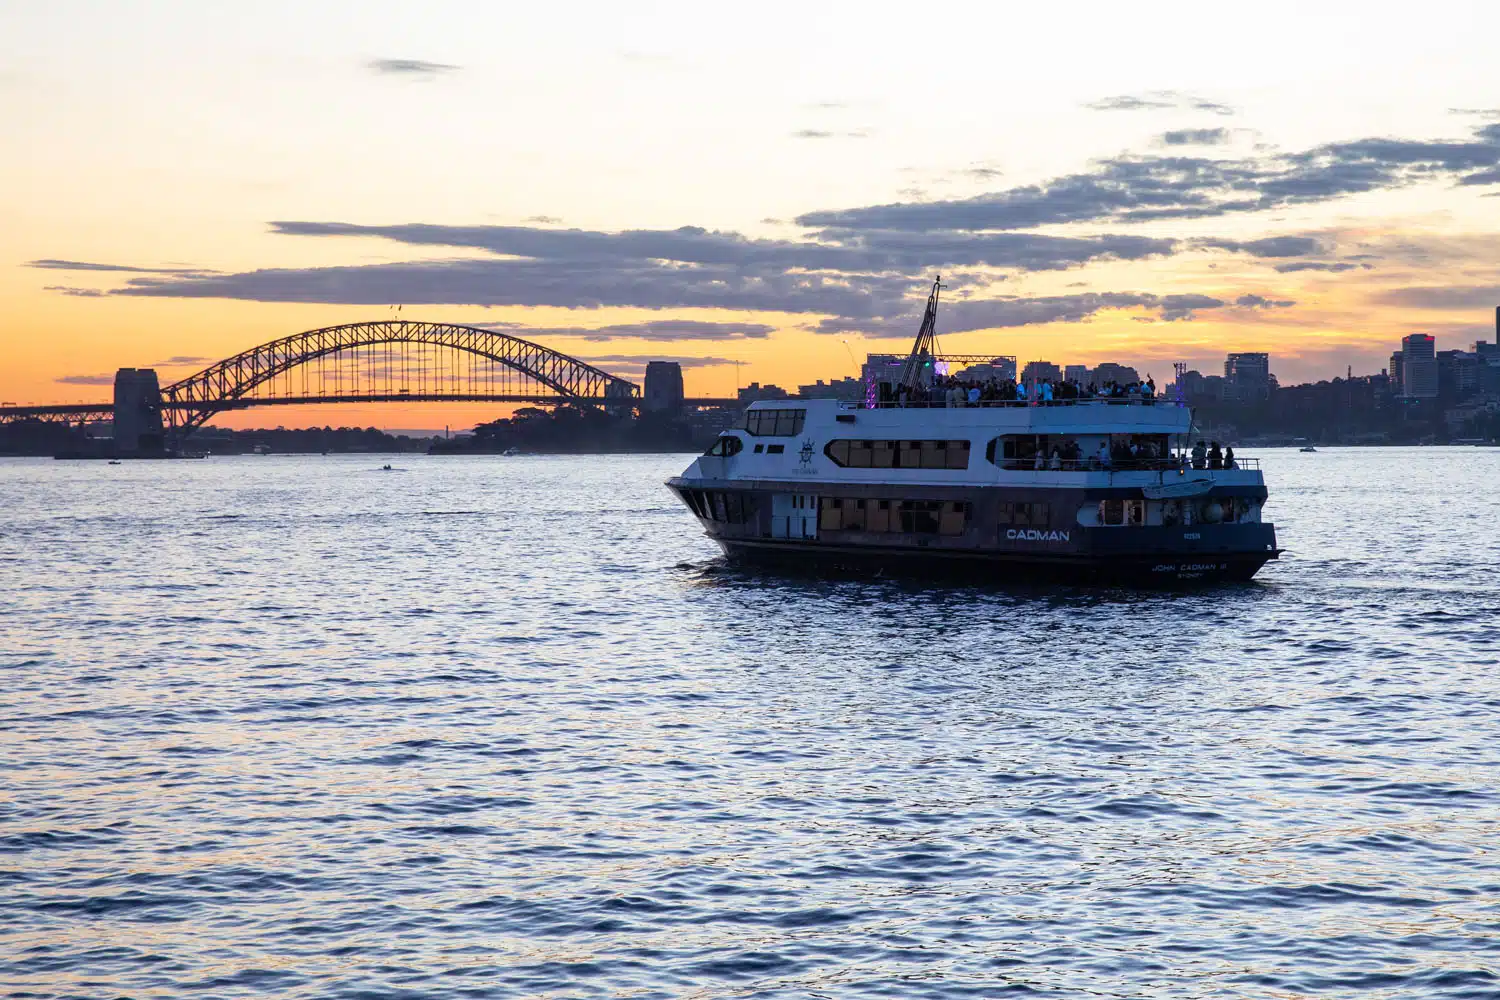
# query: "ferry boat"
{"points": [[1099, 489]]}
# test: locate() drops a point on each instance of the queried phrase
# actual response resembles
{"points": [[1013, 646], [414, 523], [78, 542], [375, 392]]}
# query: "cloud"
{"points": [[1195, 137], [1271, 246], [83, 293], [79, 265], [1159, 100], [409, 67], [665, 329], [818, 133], [860, 279], [546, 220], [573, 284], [1481, 177], [85, 379], [183, 359], [1014, 311], [644, 359], [1443, 297], [1319, 265], [1135, 188], [838, 249], [1252, 301]]}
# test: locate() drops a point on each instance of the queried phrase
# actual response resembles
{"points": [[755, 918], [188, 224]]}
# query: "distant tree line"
{"points": [[574, 430]]}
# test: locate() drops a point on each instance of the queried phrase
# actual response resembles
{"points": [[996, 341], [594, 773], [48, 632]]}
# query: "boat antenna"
{"points": [[923, 349]]}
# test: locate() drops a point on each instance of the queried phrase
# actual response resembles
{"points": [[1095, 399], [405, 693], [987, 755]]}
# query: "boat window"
{"points": [[775, 449], [898, 454], [914, 517], [1024, 512], [1020, 451], [725, 446], [729, 507], [775, 423], [1132, 513], [759, 448]]}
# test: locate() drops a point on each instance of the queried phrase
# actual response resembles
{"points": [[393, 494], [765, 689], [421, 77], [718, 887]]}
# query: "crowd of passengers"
{"points": [[953, 391], [1127, 455]]}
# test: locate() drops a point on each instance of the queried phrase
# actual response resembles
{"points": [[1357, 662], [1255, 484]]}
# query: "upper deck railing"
{"points": [[941, 404], [1172, 464]]}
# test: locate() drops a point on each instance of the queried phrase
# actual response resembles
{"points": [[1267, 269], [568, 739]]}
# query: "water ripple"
{"points": [[506, 728]]}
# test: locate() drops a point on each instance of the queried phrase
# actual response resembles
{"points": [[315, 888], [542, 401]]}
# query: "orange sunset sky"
{"points": [[773, 185]]}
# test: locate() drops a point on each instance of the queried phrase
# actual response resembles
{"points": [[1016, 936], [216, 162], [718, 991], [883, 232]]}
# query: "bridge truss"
{"points": [[391, 361]]}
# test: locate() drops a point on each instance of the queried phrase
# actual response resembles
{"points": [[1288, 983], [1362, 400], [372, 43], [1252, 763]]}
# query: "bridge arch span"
{"points": [[244, 379]]}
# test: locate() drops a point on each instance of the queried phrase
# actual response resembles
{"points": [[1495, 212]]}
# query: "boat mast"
{"points": [[922, 349]]}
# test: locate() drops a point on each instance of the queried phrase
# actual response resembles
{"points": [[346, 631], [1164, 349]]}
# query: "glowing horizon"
{"points": [[683, 185]]}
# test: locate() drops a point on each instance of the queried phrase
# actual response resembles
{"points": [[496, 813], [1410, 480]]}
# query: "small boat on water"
{"points": [[1307, 447], [1089, 487]]}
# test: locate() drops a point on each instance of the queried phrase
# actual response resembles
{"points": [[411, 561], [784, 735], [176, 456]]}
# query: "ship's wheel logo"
{"points": [[807, 452]]}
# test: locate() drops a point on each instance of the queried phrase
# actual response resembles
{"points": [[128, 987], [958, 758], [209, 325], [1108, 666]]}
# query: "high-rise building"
{"points": [[1398, 362], [1458, 374], [663, 389], [1076, 373], [755, 392], [1248, 375], [1041, 371], [848, 389], [1108, 371], [999, 369], [1419, 369]]}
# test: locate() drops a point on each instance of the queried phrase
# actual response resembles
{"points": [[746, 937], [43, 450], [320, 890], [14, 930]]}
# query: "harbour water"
{"points": [[504, 727]]}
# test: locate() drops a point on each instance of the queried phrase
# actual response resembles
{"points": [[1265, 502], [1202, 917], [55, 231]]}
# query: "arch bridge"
{"points": [[376, 362]]}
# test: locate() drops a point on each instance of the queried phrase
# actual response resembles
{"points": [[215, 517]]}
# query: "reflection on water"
{"points": [[506, 727]]}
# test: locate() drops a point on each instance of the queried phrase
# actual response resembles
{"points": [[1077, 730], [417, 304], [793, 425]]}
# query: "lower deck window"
{"points": [[1024, 512], [1131, 513], [913, 517], [725, 506]]}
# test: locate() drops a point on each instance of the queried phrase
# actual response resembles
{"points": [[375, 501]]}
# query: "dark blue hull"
{"points": [[1136, 570]]}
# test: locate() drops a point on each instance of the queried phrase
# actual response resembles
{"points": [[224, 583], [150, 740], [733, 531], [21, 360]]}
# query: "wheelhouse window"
{"points": [[775, 423], [725, 446], [856, 454]]}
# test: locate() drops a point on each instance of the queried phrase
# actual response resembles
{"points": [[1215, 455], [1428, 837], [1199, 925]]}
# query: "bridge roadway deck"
{"points": [[104, 411]]}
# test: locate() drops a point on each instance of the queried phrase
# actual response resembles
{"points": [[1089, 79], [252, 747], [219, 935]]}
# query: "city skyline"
{"points": [[657, 186]]}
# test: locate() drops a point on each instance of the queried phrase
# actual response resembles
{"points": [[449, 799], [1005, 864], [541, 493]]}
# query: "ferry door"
{"points": [[794, 515]]}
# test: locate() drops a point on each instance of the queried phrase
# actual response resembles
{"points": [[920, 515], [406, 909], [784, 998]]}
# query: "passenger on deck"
{"points": [[1200, 456], [1229, 459], [1103, 456], [1055, 462], [1215, 457], [973, 395]]}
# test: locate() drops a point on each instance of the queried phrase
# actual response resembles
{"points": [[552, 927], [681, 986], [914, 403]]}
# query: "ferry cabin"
{"points": [[1093, 488]]}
